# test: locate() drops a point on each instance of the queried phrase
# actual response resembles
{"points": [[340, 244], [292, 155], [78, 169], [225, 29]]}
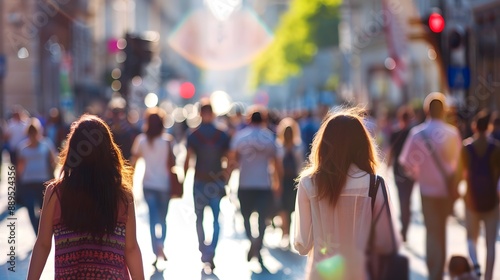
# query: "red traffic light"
{"points": [[187, 90], [436, 22]]}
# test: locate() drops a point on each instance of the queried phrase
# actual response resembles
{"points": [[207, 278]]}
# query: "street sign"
{"points": [[3, 65], [458, 77]]}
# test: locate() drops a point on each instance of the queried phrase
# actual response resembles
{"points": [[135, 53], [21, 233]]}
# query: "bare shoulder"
{"points": [[51, 189]]}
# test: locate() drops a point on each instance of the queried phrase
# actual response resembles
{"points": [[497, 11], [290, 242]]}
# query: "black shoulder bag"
{"points": [[391, 266]]}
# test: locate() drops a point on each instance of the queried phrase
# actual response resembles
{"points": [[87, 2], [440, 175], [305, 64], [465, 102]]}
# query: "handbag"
{"points": [[391, 266], [176, 187]]}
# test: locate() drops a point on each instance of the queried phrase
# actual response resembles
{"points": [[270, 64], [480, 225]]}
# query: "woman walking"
{"points": [[36, 162], [155, 147], [291, 154], [334, 207], [89, 210]]}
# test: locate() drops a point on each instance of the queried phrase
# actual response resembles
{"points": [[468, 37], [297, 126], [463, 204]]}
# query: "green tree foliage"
{"points": [[307, 26]]}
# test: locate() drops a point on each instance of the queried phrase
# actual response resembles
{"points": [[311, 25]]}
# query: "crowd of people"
{"points": [[322, 167]]}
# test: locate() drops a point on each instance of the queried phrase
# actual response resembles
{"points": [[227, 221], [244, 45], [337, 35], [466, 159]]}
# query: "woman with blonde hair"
{"points": [[291, 153], [89, 210], [334, 205]]}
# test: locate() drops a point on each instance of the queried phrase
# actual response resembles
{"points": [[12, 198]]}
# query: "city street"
{"points": [[181, 244]]}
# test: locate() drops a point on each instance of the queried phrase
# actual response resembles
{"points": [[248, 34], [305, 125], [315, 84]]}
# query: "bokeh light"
{"points": [[179, 114], [151, 100], [390, 63], [187, 90], [116, 73], [221, 102]]}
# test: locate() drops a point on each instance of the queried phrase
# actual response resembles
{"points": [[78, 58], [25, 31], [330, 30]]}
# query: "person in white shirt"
{"points": [[430, 147], [152, 146], [16, 131], [253, 150], [336, 204]]}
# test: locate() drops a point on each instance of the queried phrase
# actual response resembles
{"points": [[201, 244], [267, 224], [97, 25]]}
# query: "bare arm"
{"points": [[189, 153], [232, 163], [278, 175], [43, 242], [303, 239], [133, 255]]}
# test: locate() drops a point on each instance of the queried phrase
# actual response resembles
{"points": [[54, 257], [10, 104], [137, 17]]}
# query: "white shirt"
{"points": [[323, 231], [155, 157], [418, 160], [17, 133], [255, 147]]}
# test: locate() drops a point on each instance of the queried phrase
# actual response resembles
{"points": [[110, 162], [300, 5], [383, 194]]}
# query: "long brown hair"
{"points": [[342, 140], [153, 127], [95, 178]]}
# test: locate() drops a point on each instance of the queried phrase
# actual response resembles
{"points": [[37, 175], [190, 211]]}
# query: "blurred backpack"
{"points": [[481, 193]]}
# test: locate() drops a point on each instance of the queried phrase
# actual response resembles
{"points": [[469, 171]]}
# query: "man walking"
{"points": [[209, 145], [431, 154], [254, 151]]}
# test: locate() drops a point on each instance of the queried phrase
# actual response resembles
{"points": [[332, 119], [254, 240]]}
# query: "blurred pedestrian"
{"points": [[481, 162], [291, 155], [253, 151], [154, 146], [431, 155], [404, 183], [123, 131], [16, 131], [36, 158], [309, 125], [334, 208], [89, 210], [209, 146], [56, 129]]}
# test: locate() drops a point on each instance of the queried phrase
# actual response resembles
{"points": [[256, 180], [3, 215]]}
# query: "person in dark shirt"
{"points": [[209, 145], [403, 182]]}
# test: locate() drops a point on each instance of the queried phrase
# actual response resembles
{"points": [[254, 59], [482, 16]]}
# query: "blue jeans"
{"points": [[158, 206], [30, 195], [207, 194]]}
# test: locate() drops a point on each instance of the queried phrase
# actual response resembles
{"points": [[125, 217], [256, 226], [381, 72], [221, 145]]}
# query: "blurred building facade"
{"points": [[484, 52], [61, 53]]}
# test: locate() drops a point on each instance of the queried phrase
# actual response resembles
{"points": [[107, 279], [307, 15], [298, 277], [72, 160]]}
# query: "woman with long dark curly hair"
{"points": [[89, 210]]}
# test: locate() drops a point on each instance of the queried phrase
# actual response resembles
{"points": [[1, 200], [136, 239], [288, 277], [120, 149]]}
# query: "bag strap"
{"points": [[372, 192], [388, 208], [434, 156], [379, 181]]}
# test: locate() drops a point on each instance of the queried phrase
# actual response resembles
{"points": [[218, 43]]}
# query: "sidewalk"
{"points": [[182, 248]]}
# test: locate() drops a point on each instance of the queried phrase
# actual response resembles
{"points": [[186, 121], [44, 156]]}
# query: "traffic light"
{"points": [[436, 22], [138, 52]]}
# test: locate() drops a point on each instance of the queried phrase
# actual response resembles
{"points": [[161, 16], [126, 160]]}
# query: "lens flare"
{"points": [[220, 45]]}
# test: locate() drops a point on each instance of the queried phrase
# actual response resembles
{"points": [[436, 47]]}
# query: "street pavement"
{"points": [[181, 245]]}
